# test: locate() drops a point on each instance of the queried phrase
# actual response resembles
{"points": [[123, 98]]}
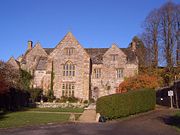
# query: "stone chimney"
{"points": [[30, 45], [133, 46]]}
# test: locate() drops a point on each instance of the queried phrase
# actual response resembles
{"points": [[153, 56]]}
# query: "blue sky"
{"points": [[95, 23]]}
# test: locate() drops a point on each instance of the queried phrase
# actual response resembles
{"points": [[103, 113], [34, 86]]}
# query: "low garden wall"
{"points": [[125, 104], [59, 105]]}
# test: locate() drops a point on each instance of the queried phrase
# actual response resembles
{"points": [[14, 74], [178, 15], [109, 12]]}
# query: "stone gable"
{"points": [[32, 57], [14, 63], [79, 58]]}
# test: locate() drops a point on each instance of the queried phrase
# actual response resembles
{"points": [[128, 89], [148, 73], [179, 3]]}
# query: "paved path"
{"points": [[89, 114], [152, 123]]}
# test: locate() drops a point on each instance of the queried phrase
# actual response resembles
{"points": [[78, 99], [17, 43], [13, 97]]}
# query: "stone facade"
{"points": [[80, 72]]}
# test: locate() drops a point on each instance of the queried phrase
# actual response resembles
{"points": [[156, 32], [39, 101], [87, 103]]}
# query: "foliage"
{"points": [[85, 102], [91, 100], [69, 99], [8, 75], [138, 82], [125, 104], [140, 50], [167, 75], [3, 85], [50, 96], [12, 96], [35, 94], [14, 99], [52, 77], [25, 79]]}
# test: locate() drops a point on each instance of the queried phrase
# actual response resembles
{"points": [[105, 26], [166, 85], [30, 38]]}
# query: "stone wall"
{"points": [[108, 82], [84, 80], [59, 105], [80, 59], [38, 78]]}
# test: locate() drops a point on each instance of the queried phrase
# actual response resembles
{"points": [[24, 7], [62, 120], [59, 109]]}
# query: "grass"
{"points": [[18, 119], [175, 120], [29, 116], [75, 110]]}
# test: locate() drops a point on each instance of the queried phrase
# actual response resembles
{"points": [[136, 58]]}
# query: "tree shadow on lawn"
{"points": [[3, 116], [4, 112], [171, 120]]}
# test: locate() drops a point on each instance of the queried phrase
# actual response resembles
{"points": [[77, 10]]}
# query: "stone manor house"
{"points": [[80, 72]]}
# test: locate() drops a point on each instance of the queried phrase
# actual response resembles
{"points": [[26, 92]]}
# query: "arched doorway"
{"points": [[95, 93]]}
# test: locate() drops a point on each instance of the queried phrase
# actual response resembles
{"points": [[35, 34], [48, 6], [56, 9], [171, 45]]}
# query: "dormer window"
{"points": [[114, 57], [69, 51]]}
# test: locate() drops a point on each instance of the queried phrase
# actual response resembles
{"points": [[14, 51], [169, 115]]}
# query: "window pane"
{"points": [[119, 73], [68, 89], [63, 86], [97, 73], [68, 69]]}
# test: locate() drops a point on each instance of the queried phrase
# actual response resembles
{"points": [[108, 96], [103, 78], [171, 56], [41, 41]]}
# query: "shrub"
{"points": [[86, 102], [13, 99], [25, 79], [125, 104], [35, 94], [91, 100], [50, 96], [139, 82], [69, 99]]}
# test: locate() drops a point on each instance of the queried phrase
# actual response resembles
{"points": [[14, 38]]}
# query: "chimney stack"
{"points": [[30, 45]]}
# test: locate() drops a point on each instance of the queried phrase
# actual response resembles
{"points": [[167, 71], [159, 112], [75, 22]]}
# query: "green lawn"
{"points": [[36, 116], [17, 119], [75, 110]]}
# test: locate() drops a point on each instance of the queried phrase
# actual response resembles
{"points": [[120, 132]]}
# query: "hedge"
{"points": [[14, 99], [125, 104]]}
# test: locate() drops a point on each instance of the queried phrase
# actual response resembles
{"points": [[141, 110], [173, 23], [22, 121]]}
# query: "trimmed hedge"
{"points": [[125, 104]]}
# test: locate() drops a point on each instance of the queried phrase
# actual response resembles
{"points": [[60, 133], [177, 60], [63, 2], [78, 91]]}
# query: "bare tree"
{"points": [[161, 32], [177, 17], [168, 31], [150, 36]]}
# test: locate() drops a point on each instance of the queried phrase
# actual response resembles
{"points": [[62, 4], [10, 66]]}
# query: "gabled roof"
{"points": [[42, 64], [14, 63], [96, 54], [131, 55], [48, 50]]}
